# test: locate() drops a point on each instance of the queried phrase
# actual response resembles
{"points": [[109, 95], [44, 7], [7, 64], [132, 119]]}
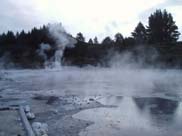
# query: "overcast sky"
{"points": [[91, 17]]}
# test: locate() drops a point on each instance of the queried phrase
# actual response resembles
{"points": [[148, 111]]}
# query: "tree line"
{"points": [[161, 29], [22, 47]]}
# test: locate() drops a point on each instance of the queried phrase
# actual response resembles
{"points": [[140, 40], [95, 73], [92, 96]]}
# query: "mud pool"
{"points": [[97, 101]]}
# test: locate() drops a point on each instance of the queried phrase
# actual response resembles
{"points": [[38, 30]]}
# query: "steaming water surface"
{"points": [[134, 117], [146, 102]]}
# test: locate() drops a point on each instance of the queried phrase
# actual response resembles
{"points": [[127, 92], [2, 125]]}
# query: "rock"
{"points": [[40, 97], [52, 99], [40, 129], [91, 99], [55, 111], [30, 116], [45, 135], [27, 108]]}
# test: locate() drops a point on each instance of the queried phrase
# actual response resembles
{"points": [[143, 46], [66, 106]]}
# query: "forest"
{"points": [[160, 37]]}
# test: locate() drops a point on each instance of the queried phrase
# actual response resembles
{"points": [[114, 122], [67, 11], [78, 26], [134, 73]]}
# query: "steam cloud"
{"points": [[62, 40], [43, 48], [139, 57]]}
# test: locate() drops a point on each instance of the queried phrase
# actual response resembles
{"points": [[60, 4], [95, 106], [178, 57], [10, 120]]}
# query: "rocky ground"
{"points": [[74, 101], [55, 111]]}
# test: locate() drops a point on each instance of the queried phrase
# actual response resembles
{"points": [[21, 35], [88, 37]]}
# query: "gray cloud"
{"points": [[21, 14], [173, 3], [165, 5], [168, 3], [15, 18]]}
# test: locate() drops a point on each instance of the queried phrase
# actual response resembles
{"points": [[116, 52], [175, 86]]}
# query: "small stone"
{"points": [[55, 111], [14, 108], [45, 135], [40, 129], [27, 108], [91, 99], [30, 116], [52, 100], [18, 119]]}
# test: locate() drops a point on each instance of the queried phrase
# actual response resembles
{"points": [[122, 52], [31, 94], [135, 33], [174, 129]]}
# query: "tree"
{"points": [[162, 27], [80, 37], [129, 41], [10, 38], [22, 38], [107, 41], [140, 34], [119, 38], [96, 40], [90, 41]]}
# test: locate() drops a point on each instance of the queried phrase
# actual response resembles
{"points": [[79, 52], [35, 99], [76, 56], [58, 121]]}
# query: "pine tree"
{"points": [[162, 28], [119, 39], [96, 40], [140, 34], [80, 37], [90, 41], [107, 41]]}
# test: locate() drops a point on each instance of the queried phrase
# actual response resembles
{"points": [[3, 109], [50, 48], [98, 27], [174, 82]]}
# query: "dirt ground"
{"points": [[10, 125], [55, 111]]}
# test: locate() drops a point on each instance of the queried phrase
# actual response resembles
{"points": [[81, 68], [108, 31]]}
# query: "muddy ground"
{"points": [[75, 101], [55, 111]]}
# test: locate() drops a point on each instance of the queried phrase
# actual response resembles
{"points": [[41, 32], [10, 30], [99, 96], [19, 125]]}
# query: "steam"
{"points": [[139, 57], [5, 62], [62, 40], [43, 48]]}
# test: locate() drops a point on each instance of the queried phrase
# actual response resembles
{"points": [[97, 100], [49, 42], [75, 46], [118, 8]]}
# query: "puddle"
{"points": [[134, 117]]}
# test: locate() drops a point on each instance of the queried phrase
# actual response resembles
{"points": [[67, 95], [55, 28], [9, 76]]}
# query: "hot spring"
{"points": [[138, 101]]}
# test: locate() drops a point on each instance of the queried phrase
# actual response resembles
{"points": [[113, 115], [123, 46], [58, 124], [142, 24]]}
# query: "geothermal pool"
{"points": [[132, 101]]}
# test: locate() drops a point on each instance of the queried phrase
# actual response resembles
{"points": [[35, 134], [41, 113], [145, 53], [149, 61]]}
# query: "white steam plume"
{"points": [[144, 58], [62, 40], [43, 48]]}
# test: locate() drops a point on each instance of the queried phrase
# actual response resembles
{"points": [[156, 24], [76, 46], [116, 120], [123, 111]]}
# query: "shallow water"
{"points": [[145, 101], [134, 117], [95, 81]]}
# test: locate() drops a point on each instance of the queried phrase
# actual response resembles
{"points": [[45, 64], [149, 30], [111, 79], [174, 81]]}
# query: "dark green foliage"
{"points": [[22, 48], [96, 40], [129, 41], [119, 40], [90, 41], [107, 41], [86, 54], [80, 37], [140, 34], [162, 28]]}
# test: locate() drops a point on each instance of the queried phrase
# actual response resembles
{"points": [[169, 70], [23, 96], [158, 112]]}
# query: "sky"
{"points": [[99, 18]]}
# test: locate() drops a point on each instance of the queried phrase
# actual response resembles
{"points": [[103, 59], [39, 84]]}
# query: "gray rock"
{"points": [[40, 129], [30, 116], [55, 111], [27, 108]]}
